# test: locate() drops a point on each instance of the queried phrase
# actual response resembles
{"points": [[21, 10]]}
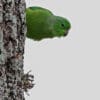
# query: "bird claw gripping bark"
{"points": [[27, 82]]}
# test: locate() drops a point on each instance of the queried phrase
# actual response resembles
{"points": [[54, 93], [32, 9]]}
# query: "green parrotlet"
{"points": [[42, 24]]}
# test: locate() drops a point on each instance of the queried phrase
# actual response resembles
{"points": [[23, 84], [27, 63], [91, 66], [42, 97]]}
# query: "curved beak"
{"points": [[66, 33]]}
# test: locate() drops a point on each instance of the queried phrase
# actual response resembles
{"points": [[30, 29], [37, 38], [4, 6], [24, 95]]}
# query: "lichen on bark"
{"points": [[12, 42]]}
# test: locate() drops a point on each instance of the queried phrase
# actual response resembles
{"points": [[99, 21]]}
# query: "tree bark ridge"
{"points": [[12, 41]]}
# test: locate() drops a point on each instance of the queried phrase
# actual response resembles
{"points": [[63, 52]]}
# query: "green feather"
{"points": [[42, 23], [39, 8]]}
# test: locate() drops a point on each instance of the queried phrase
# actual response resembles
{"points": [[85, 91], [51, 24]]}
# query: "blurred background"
{"points": [[67, 68]]}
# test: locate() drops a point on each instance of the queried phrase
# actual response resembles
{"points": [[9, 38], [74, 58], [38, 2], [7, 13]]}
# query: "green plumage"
{"points": [[42, 23]]}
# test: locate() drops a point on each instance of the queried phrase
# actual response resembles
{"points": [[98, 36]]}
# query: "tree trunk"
{"points": [[12, 40]]}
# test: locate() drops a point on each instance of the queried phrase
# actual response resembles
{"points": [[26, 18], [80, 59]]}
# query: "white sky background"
{"points": [[67, 68]]}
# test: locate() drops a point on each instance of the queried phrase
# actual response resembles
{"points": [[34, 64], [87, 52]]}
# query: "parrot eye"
{"points": [[62, 25]]}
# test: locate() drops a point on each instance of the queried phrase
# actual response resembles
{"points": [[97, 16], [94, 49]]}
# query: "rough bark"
{"points": [[13, 81]]}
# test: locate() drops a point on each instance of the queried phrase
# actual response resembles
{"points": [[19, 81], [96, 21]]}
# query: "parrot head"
{"points": [[61, 26]]}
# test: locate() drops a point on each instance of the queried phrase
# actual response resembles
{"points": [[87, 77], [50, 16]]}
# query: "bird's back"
{"points": [[36, 8], [36, 19]]}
